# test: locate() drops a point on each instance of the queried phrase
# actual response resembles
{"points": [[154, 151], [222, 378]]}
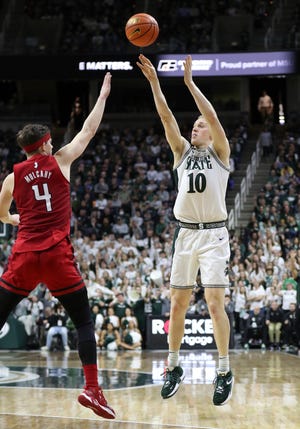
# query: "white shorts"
{"points": [[207, 249]]}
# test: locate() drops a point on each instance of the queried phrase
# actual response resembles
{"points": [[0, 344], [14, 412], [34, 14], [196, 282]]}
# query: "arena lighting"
{"points": [[230, 64], [281, 114]]}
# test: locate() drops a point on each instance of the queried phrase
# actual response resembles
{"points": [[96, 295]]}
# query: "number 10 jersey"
{"points": [[201, 180]]}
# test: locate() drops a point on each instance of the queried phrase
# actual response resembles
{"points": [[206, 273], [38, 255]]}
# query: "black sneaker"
{"points": [[172, 380], [223, 388]]}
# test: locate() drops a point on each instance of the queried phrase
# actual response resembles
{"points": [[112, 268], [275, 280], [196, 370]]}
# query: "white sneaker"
{"points": [[44, 348], [66, 348]]}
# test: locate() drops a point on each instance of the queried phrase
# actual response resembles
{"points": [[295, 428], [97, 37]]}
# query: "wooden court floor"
{"points": [[39, 390]]}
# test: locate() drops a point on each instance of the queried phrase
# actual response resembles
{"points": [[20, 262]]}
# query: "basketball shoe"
{"points": [[93, 398], [223, 388], [172, 381]]}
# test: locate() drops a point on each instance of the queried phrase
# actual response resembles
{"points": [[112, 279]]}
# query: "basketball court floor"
{"points": [[39, 390]]}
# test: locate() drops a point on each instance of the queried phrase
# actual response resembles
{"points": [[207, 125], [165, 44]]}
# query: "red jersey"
{"points": [[42, 196]]}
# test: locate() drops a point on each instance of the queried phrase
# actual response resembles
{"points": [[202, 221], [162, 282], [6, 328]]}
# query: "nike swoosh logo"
{"points": [[229, 382]]}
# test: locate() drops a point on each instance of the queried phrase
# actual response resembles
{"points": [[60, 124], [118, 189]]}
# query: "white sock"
{"points": [[173, 358], [223, 364]]}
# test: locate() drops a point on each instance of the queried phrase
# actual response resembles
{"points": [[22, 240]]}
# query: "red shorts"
{"points": [[55, 267]]}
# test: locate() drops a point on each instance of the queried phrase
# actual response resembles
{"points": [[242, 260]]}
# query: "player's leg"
{"points": [[224, 380], [180, 299], [77, 307], [60, 259], [214, 260], [16, 282], [184, 270], [8, 302], [174, 374]]}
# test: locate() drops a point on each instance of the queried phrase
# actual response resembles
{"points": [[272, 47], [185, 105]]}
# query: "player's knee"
{"points": [[216, 308], [179, 306], [86, 332]]}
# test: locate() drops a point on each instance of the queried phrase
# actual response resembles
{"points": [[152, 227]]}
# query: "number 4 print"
{"points": [[45, 196]]}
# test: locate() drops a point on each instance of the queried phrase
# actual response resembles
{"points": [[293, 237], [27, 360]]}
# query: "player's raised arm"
{"points": [[168, 120], [205, 107], [67, 154]]}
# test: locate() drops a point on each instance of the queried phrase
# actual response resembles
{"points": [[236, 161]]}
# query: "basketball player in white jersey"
{"points": [[201, 241]]}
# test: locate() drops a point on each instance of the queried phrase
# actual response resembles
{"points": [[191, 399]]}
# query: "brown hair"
{"points": [[30, 134]]}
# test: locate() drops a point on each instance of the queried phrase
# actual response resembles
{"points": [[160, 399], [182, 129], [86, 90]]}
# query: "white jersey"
{"points": [[201, 180]]}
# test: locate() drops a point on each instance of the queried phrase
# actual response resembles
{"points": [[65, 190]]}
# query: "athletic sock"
{"points": [[173, 358], [91, 375], [223, 364]]}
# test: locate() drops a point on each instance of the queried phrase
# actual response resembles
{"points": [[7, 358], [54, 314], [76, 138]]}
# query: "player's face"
{"points": [[48, 147], [200, 133]]}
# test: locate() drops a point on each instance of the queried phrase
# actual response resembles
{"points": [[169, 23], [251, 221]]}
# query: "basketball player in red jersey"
{"points": [[42, 251]]}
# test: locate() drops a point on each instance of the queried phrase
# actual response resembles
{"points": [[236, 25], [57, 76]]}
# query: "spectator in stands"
{"points": [[255, 332], [129, 315], [202, 309], [265, 107], [290, 334], [109, 337], [34, 311], [274, 320], [288, 294], [131, 337], [119, 305], [77, 118], [157, 302], [239, 297], [256, 272], [55, 324], [273, 294], [120, 227], [256, 295], [265, 139], [112, 318], [98, 320]]}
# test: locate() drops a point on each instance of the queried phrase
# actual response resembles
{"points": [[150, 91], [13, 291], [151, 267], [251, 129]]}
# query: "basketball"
{"points": [[142, 29]]}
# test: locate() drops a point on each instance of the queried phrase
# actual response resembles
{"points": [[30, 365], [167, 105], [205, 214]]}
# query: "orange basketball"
{"points": [[142, 29]]}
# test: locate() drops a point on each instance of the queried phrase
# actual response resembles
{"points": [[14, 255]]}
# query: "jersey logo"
{"points": [[35, 165]]}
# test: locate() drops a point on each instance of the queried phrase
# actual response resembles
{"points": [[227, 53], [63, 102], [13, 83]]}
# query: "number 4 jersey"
{"points": [[201, 180], [42, 197]]}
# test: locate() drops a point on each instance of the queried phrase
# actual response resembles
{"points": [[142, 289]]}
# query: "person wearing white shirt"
{"points": [[289, 296], [257, 295]]}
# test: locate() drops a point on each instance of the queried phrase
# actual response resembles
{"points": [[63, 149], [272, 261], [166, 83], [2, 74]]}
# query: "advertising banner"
{"points": [[230, 64], [198, 333], [168, 65]]}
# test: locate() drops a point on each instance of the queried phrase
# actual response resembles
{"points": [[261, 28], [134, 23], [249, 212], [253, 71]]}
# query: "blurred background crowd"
{"points": [[122, 230]]}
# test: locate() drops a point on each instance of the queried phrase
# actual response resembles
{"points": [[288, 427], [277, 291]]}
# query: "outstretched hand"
{"points": [[106, 86], [188, 77], [147, 68]]}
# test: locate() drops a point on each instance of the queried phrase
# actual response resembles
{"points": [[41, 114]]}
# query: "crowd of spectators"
{"points": [[122, 229], [292, 38], [95, 27]]}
